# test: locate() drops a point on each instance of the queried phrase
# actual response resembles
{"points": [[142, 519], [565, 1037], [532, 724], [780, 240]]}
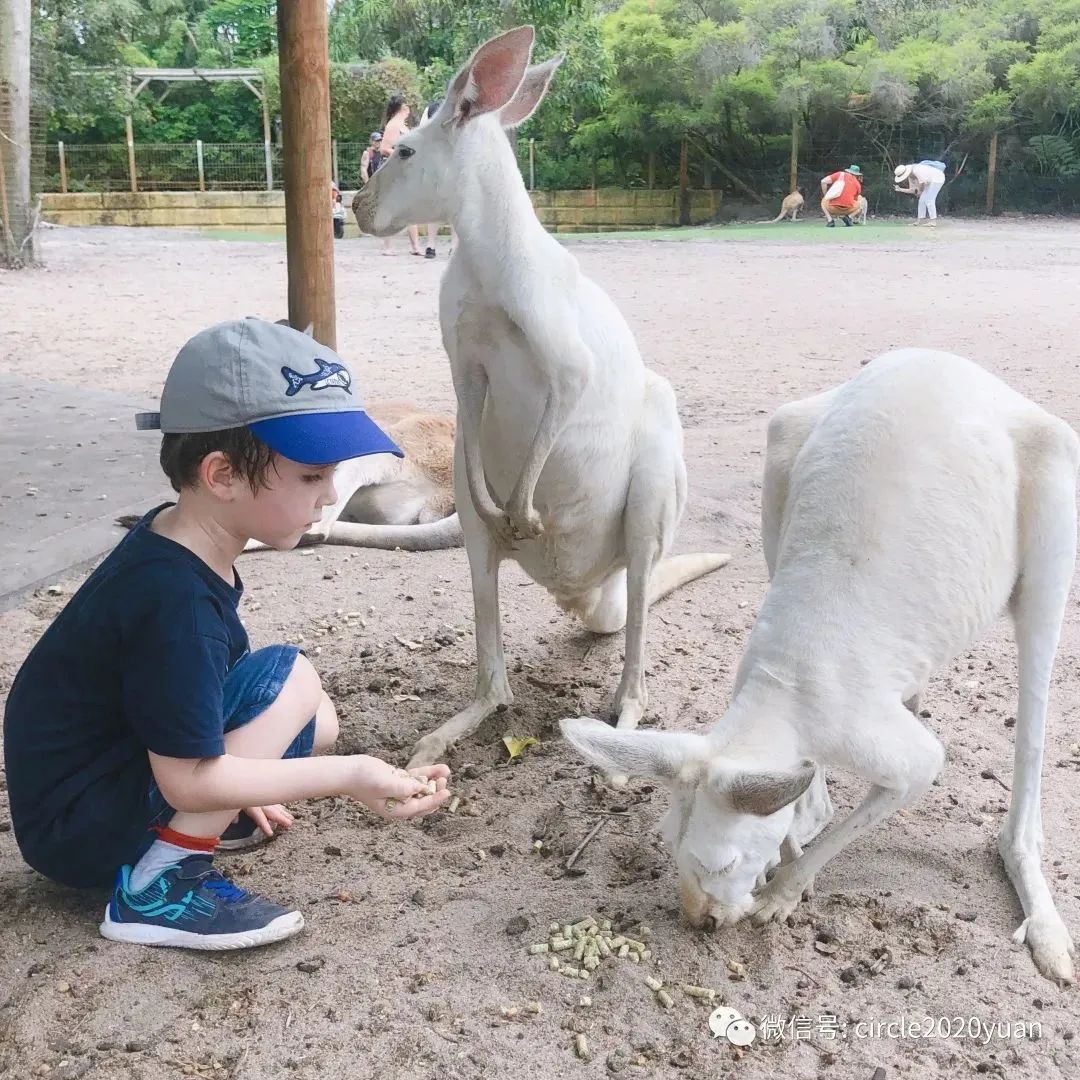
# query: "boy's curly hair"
{"points": [[181, 455]]}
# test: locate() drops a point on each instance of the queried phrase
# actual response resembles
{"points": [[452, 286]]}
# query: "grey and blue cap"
{"points": [[296, 395]]}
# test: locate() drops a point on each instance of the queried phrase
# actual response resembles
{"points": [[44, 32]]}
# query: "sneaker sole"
{"points": [[244, 842], [284, 926]]}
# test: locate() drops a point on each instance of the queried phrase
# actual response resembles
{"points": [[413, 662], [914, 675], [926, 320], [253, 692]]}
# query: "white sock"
{"points": [[160, 855]]}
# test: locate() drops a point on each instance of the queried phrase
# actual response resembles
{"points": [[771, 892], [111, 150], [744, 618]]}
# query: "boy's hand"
{"points": [[374, 782], [266, 817]]}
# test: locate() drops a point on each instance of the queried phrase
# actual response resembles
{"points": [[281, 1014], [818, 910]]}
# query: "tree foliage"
{"points": [[886, 79]]}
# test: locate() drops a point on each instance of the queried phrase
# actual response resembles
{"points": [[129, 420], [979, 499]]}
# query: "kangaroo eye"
{"points": [[710, 872], [405, 151]]}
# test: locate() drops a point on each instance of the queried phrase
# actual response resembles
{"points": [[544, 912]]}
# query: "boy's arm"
{"points": [[203, 785], [177, 658]]}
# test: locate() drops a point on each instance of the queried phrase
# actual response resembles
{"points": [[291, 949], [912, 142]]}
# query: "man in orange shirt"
{"points": [[840, 192]]}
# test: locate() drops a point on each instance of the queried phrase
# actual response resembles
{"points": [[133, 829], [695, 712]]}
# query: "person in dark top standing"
{"points": [[141, 732], [370, 159]]}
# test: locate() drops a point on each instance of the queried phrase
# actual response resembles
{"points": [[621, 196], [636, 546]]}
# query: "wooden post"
{"points": [[793, 170], [199, 159], [334, 159], [991, 172], [594, 174], [131, 154], [266, 143], [532, 164], [684, 185], [8, 246], [652, 169], [63, 168], [305, 123], [17, 239]]}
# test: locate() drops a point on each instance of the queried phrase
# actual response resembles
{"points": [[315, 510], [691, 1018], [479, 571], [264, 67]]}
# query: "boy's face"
{"points": [[290, 503]]}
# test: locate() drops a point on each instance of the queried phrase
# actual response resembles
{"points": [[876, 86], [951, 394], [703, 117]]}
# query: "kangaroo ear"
{"points": [[309, 329], [530, 93], [490, 76], [764, 793], [671, 756]]}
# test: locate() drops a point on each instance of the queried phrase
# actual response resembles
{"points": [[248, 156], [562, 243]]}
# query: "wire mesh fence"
{"points": [[194, 166], [1018, 183], [347, 157]]}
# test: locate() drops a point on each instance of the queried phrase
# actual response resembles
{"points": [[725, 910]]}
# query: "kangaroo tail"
{"points": [[434, 536], [669, 574]]}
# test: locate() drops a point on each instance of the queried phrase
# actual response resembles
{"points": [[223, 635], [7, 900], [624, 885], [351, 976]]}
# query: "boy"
{"points": [[140, 724]]}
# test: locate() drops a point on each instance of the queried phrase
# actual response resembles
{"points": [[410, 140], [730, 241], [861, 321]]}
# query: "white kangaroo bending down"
{"points": [[901, 513], [568, 456]]}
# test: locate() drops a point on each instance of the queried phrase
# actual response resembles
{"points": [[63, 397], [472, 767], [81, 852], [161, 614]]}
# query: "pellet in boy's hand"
{"points": [[429, 788]]}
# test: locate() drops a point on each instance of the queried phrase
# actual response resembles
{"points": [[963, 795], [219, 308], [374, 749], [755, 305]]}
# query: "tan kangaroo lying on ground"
{"points": [[390, 502]]}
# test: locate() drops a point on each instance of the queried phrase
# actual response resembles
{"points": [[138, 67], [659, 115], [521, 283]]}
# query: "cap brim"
{"points": [[324, 438]]}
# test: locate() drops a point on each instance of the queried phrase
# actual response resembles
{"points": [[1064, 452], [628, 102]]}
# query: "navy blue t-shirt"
{"points": [[135, 662]]}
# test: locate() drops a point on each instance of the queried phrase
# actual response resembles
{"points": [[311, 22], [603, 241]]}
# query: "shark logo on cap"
{"points": [[328, 375]]}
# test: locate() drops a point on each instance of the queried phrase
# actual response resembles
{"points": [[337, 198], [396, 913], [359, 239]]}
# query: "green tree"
{"points": [[875, 81]]}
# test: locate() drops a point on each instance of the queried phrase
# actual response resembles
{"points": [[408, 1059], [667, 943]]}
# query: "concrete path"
{"points": [[73, 462]]}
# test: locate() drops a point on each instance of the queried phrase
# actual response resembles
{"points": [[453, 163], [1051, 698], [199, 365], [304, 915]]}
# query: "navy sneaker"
{"points": [[190, 905], [243, 833]]}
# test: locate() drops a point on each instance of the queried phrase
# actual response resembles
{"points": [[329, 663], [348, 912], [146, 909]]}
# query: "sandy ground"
{"points": [[413, 939]]}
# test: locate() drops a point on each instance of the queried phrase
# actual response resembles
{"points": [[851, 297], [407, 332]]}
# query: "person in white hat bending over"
{"points": [[925, 179]]}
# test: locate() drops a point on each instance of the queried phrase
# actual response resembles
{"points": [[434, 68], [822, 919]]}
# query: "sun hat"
{"points": [[901, 173], [854, 170]]}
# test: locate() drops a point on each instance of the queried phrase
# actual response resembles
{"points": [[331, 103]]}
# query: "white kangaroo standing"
{"points": [[901, 513], [568, 456]]}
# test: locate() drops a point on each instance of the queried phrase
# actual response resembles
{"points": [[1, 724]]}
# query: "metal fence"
{"points": [[195, 166], [199, 166]]}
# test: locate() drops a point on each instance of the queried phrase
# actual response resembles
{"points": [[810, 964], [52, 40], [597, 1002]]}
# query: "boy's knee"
{"points": [[304, 687], [326, 725]]}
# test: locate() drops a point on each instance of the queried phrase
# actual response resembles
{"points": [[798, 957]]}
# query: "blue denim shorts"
{"points": [[109, 824], [250, 688]]}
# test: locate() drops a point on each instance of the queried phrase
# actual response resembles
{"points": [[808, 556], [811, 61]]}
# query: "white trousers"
{"points": [[928, 200]]}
